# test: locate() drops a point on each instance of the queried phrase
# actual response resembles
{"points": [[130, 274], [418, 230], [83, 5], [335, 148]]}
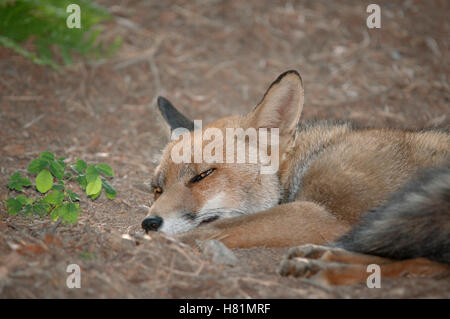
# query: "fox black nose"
{"points": [[152, 223]]}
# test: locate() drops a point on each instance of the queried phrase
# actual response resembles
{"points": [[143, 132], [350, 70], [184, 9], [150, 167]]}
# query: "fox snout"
{"points": [[152, 223]]}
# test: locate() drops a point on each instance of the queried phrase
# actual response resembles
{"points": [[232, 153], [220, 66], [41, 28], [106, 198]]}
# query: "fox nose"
{"points": [[152, 223]]}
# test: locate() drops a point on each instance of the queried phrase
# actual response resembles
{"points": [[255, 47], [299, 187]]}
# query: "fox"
{"points": [[342, 197]]}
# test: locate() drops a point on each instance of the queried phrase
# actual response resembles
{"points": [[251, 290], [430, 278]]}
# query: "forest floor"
{"points": [[211, 59]]}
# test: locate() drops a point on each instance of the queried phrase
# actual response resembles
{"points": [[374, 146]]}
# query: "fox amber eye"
{"points": [[158, 191], [201, 176]]}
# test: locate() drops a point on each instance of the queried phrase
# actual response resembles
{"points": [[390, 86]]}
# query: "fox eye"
{"points": [[158, 191], [201, 176]]}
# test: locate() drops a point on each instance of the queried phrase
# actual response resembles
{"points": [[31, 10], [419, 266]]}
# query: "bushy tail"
{"points": [[414, 222]]}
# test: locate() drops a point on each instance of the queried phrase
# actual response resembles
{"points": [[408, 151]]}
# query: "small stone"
{"points": [[141, 235], [127, 237], [13, 246], [219, 253]]}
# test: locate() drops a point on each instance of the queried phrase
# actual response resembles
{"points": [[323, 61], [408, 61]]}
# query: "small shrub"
{"points": [[53, 198]]}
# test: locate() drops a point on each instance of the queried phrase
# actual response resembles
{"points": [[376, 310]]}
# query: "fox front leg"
{"points": [[284, 225]]}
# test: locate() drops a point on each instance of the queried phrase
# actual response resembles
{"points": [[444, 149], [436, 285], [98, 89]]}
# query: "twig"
{"points": [[56, 226], [147, 54], [155, 73], [33, 121]]}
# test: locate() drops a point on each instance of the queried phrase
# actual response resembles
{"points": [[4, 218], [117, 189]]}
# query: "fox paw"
{"points": [[329, 265], [301, 267], [305, 261], [312, 251], [335, 266]]}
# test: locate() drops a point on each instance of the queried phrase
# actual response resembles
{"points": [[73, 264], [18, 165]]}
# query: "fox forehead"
{"points": [[168, 170]]}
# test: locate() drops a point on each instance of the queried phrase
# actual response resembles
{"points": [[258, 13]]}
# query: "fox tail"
{"points": [[414, 222]]}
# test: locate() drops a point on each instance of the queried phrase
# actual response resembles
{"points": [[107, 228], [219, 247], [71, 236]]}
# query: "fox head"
{"points": [[200, 190]]}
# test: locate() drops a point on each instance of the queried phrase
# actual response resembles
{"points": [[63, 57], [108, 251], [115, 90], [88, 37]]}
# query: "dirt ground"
{"points": [[211, 58]]}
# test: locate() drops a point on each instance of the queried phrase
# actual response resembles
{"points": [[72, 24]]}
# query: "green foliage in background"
{"points": [[44, 23], [53, 198]]}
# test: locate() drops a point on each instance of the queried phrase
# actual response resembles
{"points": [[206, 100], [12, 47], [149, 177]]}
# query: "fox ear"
{"points": [[172, 116], [281, 105]]}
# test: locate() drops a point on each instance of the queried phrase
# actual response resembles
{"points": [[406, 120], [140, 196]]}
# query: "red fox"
{"points": [[367, 196]]}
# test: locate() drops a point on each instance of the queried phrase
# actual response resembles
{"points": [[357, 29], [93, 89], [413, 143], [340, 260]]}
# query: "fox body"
{"points": [[330, 177]]}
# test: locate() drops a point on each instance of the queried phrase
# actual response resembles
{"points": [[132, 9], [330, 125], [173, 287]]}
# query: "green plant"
{"points": [[43, 22], [53, 197]]}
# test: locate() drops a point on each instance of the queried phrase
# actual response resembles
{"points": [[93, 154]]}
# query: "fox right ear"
{"points": [[281, 105], [172, 116]]}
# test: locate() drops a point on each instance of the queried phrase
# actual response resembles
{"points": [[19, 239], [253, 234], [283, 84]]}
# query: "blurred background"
{"points": [[91, 93]]}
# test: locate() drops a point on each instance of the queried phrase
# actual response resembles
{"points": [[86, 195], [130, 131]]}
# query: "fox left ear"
{"points": [[172, 116], [281, 105]]}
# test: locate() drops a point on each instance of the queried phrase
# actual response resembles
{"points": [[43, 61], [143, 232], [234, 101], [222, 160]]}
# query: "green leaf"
{"points": [[82, 181], [61, 161], [37, 165], [68, 175], [15, 186], [105, 169], [73, 196], [47, 156], [24, 200], [95, 196], [15, 177], [111, 193], [94, 187], [27, 209], [68, 212], [58, 187], [25, 182], [55, 198], [91, 173], [80, 166], [13, 206], [57, 170], [71, 215], [58, 212], [44, 181], [17, 182], [42, 208]]}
